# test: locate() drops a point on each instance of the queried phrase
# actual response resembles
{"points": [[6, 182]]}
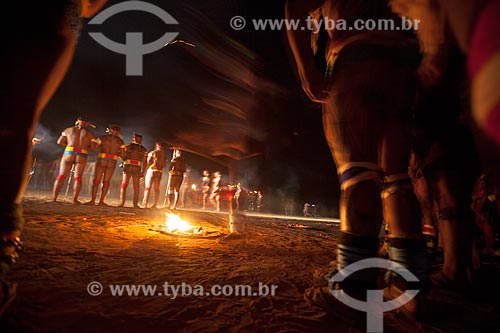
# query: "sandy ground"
{"points": [[67, 247]]}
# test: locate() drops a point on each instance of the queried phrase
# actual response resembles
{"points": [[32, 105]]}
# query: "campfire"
{"points": [[175, 225]]}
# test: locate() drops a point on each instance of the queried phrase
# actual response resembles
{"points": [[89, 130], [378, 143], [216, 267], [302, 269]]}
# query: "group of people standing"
{"points": [[386, 95], [137, 163]]}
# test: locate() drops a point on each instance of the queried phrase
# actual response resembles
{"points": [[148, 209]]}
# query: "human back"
{"points": [[158, 160], [79, 137], [111, 144], [134, 151]]}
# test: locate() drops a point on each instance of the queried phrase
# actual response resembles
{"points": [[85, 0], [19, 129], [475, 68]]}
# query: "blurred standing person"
{"points": [[34, 142], [289, 206], [176, 175], [111, 147], [237, 194], [443, 148], [77, 140], [259, 200], [205, 188], [134, 164], [35, 58], [366, 120], [306, 209], [485, 208], [214, 196], [184, 188], [157, 161]]}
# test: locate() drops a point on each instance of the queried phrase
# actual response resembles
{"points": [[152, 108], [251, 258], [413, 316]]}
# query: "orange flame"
{"points": [[175, 223]]}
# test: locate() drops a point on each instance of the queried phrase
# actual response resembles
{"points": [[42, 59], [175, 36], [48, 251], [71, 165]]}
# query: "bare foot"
{"points": [[102, 203], [76, 202], [90, 203]]}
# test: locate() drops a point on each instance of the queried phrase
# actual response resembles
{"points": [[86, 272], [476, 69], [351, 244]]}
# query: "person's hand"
{"points": [[317, 87]]}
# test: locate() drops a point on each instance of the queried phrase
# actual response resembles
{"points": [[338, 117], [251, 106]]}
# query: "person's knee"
{"points": [[350, 174], [361, 183], [402, 210], [397, 183], [356, 212]]}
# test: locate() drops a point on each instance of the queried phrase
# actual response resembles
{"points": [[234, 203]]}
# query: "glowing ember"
{"points": [[175, 223]]}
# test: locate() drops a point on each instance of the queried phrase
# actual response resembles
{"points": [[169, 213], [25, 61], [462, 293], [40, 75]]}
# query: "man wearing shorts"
{"points": [[157, 160], [176, 175], [77, 140], [111, 147], [134, 164]]}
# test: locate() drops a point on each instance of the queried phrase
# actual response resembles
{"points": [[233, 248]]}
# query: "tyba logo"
{"points": [[134, 48], [374, 305]]}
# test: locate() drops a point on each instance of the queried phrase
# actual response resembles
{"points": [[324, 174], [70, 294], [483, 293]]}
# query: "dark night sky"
{"points": [[169, 99]]}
